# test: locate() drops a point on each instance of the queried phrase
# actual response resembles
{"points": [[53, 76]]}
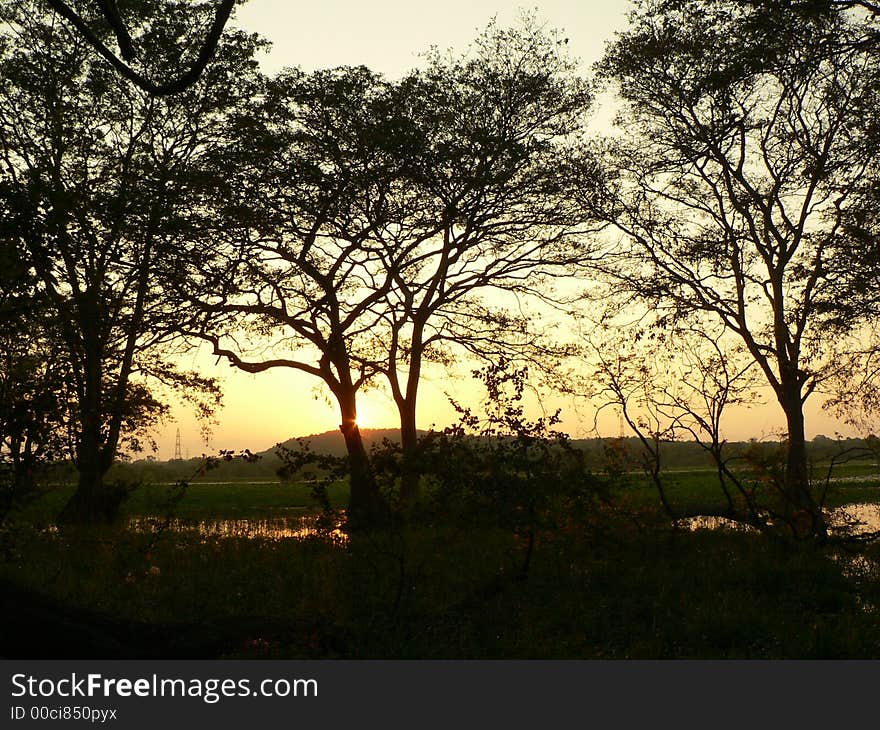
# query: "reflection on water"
{"points": [[277, 528], [714, 523], [857, 518], [859, 479]]}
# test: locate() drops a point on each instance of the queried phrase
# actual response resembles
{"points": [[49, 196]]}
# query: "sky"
{"points": [[388, 36]]}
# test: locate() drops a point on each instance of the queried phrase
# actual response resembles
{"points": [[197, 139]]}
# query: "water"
{"points": [[276, 528], [859, 479], [858, 518], [714, 523], [853, 519]]}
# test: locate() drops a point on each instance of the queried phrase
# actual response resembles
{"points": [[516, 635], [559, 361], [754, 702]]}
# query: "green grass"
{"points": [[688, 487], [204, 499], [200, 501]]}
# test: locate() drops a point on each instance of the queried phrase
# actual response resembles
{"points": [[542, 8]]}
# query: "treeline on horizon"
{"points": [[721, 242], [676, 455]]}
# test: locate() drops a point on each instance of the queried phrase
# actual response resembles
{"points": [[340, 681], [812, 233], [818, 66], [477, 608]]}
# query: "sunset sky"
{"points": [[388, 36]]}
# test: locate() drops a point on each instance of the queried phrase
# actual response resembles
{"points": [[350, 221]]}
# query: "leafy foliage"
{"points": [[506, 470]]}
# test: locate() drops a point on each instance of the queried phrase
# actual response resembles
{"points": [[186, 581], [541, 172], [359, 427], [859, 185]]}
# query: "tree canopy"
{"points": [[373, 225], [97, 176], [171, 78]]}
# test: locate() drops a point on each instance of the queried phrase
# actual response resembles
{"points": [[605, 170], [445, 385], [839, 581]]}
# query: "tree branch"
{"points": [[126, 48]]}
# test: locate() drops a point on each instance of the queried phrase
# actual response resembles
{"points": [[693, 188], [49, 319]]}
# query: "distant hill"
{"points": [[265, 469], [675, 455], [331, 442]]}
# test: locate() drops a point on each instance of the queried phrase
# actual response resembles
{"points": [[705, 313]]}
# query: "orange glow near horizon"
{"points": [[263, 410]]}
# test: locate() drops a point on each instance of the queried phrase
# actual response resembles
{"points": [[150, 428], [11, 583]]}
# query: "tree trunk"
{"points": [[20, 468], [410, 475], [800, 508], [92, 502], [409, 441], [89, 504], [364, 503]]}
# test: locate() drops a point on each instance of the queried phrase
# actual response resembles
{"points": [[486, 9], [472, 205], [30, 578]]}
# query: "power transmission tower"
{"points": [[177, 453]]}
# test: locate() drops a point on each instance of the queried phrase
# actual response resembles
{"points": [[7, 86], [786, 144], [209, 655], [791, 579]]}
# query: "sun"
{"points": [[375, 411], [365, 415]]}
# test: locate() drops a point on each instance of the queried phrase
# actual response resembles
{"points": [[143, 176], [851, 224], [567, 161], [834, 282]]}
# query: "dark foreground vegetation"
{"points": [[616, 581]]}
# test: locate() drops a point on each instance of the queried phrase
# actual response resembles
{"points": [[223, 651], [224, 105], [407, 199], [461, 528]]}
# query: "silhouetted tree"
{"points": [[304, 170], [376, 224], [496, 123], [678, 383], [100, 175], [746, 134]]}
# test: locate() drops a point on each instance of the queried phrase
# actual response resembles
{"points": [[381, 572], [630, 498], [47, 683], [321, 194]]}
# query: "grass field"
{"points": [[206, 499], [201, 501]]}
